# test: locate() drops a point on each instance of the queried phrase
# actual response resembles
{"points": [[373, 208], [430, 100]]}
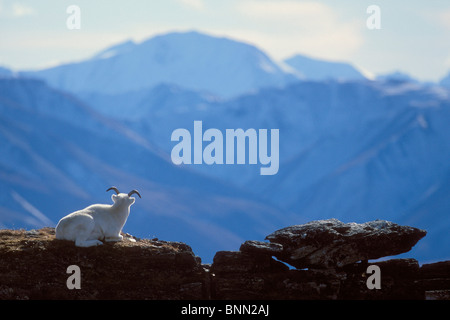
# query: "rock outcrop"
{"points": [[332, 243], [34, 265], [331, 262]]}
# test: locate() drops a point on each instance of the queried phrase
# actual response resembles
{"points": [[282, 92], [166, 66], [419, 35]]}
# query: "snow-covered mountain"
{"points": [[191, 60], [318, 70]]}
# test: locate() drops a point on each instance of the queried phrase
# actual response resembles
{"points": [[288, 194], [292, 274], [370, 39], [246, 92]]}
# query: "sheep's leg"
{"points": [[83, 240], [87, 243], [84, 234], [114, 238]]}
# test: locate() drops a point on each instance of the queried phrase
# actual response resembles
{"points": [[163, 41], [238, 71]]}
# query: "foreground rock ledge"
{"points": [[33, 265]]}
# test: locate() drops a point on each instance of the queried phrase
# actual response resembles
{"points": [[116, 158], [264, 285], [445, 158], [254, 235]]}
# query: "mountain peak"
{"points": [[317, 69], [396, 76], [6, 73], [192, 60]]}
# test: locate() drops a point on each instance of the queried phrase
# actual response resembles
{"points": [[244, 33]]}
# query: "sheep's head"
{"points": [[123, 198]]}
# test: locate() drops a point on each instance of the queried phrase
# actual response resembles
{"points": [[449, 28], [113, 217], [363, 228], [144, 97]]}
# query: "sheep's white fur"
{"points": [[99, 221]]}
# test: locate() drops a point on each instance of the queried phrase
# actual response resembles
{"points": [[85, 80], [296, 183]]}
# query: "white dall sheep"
{"points": [[99, 221]]}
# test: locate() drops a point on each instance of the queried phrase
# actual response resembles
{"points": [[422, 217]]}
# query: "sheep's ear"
{"points": [[114, 197], [132, 201]]}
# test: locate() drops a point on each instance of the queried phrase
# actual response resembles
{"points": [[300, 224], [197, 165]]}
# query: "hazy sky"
{"points": [[414, 35]]}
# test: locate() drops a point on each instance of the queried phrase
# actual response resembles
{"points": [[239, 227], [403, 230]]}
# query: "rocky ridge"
{"points": [[324, 260]]}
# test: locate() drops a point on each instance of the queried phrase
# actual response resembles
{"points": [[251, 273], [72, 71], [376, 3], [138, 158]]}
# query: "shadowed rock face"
{"points": [[33, 265], [332, 243]]}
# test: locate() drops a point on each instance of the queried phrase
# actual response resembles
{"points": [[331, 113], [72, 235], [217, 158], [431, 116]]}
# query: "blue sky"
{"points": [[414, 35]]}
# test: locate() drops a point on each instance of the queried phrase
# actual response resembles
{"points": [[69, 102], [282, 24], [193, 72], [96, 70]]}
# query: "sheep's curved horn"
{"points": [[133, 192], [113, 188]]}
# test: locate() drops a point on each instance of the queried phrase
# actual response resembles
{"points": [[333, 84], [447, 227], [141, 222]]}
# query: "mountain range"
{"points": [[354, 150], [193, 60], [350, 148], [58, 155]]}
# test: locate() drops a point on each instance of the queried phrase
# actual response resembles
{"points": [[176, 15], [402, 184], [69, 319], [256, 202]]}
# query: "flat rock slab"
{"points": [[259, 247], [332, 243]]}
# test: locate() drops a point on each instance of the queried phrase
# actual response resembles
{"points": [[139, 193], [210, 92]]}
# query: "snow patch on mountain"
{"points": [[318, 70], [445, 81], [116, 50]]}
